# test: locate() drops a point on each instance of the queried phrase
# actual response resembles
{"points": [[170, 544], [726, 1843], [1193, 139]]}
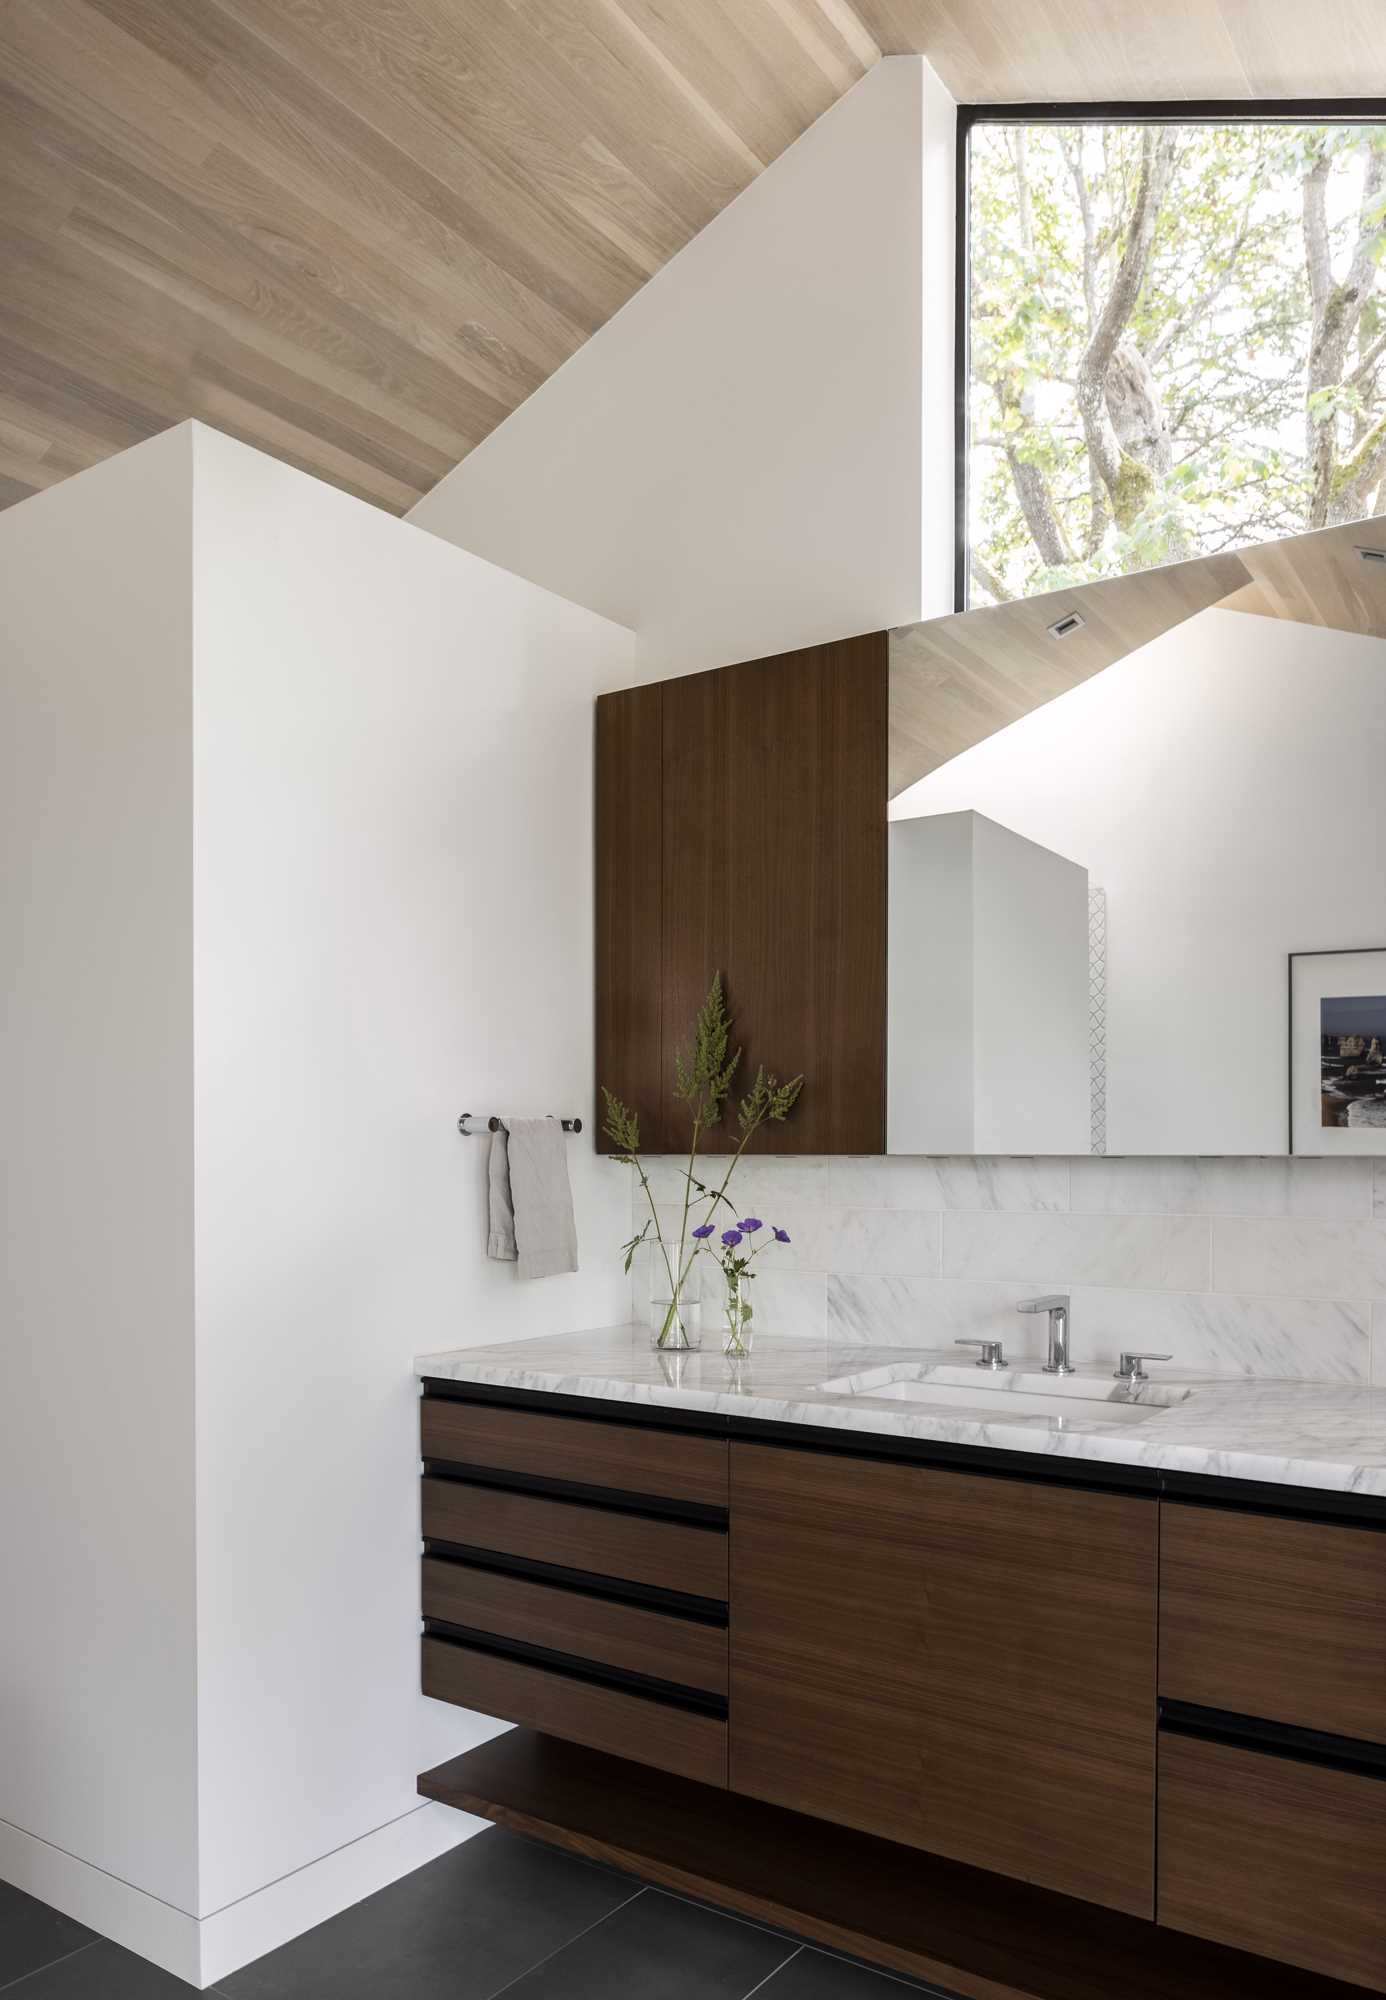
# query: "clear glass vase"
{"points": [[676, 1310], [736, 1306]]}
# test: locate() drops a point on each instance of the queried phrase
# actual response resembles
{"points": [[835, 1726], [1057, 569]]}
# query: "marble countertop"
{"points": [[1288, 1433]]}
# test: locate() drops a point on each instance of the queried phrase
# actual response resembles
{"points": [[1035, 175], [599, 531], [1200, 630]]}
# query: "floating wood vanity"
{"points": [[1157, 1701]]}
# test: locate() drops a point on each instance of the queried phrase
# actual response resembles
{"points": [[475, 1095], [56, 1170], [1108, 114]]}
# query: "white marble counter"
{"points": [[1283, 1432]]}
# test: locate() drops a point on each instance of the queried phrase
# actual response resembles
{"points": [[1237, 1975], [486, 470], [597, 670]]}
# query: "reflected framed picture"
{"points": [[1338, 1051]]}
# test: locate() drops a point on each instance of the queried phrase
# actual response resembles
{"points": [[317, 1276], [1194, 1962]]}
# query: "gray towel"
{"points": [[531, 1220]]}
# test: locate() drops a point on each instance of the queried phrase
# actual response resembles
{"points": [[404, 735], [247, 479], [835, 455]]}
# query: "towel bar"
{"points": [[470, 1125]]}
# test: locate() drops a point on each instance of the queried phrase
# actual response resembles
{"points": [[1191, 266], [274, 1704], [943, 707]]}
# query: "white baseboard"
{"points": [[114, 1909], [285, 1909], [203, 1952]]}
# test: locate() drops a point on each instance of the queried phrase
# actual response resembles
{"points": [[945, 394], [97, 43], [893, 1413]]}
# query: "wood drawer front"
{"points": [[1285, 1620], [626, 1725], [569, 1621], [628, 1459], [1274, 1856], [667, 1554]]}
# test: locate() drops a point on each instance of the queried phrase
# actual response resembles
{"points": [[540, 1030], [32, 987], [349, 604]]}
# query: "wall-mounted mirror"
{"points": [[1118, 815]]}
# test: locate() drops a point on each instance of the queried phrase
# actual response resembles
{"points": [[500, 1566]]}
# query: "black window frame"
{"points": [[1178, 111]]}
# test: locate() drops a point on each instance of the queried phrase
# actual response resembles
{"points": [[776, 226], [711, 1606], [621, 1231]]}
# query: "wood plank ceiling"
{"points": [[357, 233]]}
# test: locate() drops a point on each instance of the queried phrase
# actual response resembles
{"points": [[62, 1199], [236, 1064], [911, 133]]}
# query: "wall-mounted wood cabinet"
{"points": [[957, 1660], [741, 828]]}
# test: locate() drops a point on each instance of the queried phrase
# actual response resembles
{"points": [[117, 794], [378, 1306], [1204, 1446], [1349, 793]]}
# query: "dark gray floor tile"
{"points": [[460, 1928], [816, 1975], [101, 1971], [658, 1948], [32, 1935]]}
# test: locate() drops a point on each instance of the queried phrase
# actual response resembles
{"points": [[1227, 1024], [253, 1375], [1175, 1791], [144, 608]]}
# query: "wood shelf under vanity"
{"points": [[957, 1927]]}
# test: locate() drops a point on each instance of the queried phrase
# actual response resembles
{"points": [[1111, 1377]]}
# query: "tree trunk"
{"points": [[1334, 491], [1110, 395]]}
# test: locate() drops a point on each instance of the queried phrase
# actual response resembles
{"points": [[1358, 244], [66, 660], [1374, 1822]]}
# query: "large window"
{"points": [[1176, 339]]}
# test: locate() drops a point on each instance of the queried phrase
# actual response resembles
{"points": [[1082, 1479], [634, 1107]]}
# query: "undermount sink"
{"points": [[1008, 1393]]}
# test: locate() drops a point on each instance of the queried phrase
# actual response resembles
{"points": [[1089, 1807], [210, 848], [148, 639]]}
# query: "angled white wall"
{"points": [[298, 866], [737, 463]]}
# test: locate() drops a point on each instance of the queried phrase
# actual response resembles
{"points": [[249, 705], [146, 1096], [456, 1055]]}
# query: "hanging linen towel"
{"points": [[531, 1201], [500, 1237]]}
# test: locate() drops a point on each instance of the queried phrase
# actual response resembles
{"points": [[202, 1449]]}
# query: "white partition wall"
{"points": [[297, 867], [987, 1048]]}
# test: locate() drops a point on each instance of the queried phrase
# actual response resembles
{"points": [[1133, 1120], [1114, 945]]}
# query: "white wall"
{"points": [[735, 463], [1224, 786], [97, 1524], [394, 895], [298, 866]]}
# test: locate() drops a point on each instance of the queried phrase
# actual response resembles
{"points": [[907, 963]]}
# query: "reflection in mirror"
{"points": [[1218, 783]]}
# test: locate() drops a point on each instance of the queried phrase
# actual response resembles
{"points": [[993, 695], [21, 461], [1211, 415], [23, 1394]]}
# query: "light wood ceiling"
{"points": [[955, 681], [1060, 51], [357, 233]]}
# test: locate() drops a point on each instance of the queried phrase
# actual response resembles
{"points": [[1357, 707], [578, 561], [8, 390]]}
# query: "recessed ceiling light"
{"points": [[1073, 621]]}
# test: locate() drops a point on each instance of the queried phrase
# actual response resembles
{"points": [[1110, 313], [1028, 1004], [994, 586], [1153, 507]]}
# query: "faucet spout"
{"points": [[1057, 1305]]}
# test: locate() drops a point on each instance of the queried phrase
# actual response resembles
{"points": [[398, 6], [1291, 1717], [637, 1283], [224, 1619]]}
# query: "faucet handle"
{"points": [[1129, 1368], [993, 1353]]}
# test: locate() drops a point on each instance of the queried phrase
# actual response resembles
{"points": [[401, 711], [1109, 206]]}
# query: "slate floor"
{"points": [[498, 1915]]}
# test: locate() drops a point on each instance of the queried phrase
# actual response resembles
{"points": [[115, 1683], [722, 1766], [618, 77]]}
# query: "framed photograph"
{"points": [[1338, 1051]]}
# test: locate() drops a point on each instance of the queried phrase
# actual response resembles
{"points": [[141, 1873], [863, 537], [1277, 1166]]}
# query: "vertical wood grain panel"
{"points": [[774, 872], [825, 1604], [628, 827], [1039, 1684]]}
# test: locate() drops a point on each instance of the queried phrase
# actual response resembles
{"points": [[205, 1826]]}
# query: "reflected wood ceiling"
{"points": [[956, 680], [357, 233]]}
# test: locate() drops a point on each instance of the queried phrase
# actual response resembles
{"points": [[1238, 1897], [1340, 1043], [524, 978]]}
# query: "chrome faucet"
{"points": [[1129, 1371], [1056, 1304]]}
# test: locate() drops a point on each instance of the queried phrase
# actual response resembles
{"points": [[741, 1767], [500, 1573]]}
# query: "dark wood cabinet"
{"points": [[826, 1616], [963, 1663], [741, 828], [1275, 1855], [957, 1658], [1280, 1619], [1038, 1684]]}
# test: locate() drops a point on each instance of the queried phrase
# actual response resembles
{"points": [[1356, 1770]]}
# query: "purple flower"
{"points": [[731, 1237], [781, 1235], [752, 1222], [706, 1230]]}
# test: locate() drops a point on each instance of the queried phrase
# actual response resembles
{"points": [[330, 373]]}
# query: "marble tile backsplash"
{"points": [[1256, 1267]]}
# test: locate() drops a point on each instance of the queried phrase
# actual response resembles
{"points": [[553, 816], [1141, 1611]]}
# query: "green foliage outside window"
{"points": [[1178, 343]]}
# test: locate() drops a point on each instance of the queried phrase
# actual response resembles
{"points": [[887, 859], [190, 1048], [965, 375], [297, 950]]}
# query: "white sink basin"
{"points": [[996, 1398]]}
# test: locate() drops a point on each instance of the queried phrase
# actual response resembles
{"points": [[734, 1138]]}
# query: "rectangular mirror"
{"points": [[1110, 844]]}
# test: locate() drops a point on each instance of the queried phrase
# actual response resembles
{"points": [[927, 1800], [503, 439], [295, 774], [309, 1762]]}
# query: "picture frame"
{"points": [[1337, 1052]]}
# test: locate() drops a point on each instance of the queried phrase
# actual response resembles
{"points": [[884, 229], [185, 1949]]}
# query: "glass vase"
{"points": [[736, 1305], [676, 1310]]}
